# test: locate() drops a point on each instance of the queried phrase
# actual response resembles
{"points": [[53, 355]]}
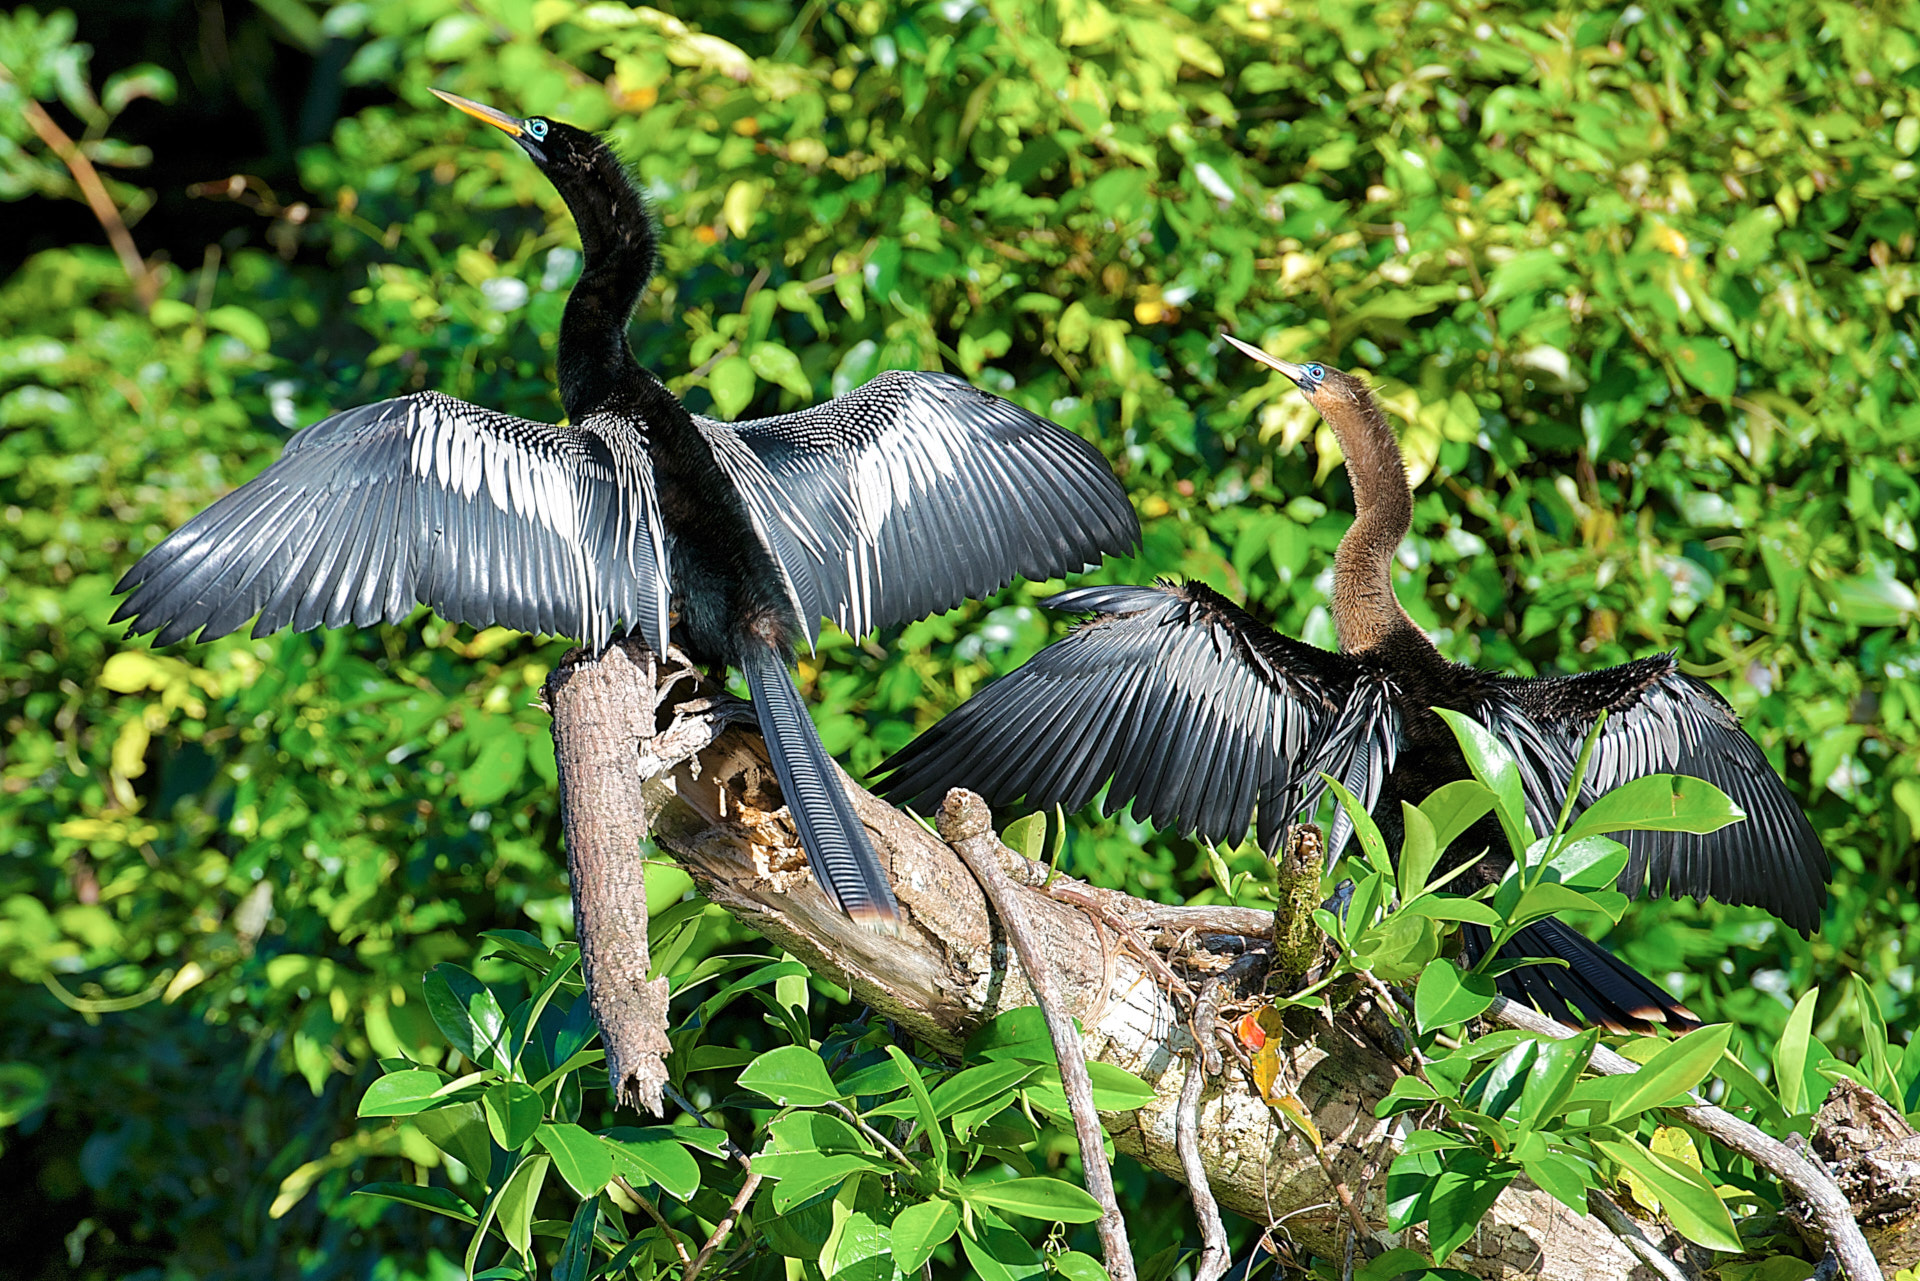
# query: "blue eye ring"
{"points": [[536, 129], [1316, 372]]}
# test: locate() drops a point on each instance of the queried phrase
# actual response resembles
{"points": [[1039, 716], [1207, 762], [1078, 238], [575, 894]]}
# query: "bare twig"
{"points": [[1808, 1181], [1215, 1254], [1608, 1211], [853, 1119], [145, 284], [966, 825], [724, 1227], [653, 1212]]}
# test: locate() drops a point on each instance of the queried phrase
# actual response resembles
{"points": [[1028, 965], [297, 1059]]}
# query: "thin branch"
{"points": [[145, 284], [1608, 1211], [967, 826], [1216, 1256], [1829, 1205], [723, 1228], [653, 1212], [882, 1140]]}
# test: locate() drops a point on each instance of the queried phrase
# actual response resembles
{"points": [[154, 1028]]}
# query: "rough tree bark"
{"points": [[706, 793]]}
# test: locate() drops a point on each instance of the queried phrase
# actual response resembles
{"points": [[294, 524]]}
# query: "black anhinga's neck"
{"points": [[618, 243], [1365, 611]]}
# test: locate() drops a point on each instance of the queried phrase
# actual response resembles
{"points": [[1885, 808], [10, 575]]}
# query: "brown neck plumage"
{"points": [[1365, 610]]}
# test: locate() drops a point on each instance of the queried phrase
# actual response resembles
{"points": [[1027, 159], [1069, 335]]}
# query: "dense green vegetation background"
{"points": [[1637, 284]]}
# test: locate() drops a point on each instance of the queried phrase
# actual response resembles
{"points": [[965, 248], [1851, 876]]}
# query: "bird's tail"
{"points": [[835, 840], [1601, 987]]}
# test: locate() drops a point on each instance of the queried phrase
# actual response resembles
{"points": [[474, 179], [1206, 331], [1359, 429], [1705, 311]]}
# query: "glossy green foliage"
{"points": [[1635, 283], [499, 1125]]}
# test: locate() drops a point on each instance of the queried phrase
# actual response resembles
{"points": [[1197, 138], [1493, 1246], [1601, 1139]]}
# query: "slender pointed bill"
{"points": [[1287, 367], [480, 111]]}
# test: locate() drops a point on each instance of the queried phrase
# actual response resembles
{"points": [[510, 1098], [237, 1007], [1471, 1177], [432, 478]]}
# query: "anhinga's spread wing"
{"points": [[1194, 710], [487, 518], [1663, 722], [917, 492]]}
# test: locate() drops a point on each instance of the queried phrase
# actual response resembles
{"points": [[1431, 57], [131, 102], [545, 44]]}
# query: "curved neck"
{"points": [[1365, 610], [619, 247]]}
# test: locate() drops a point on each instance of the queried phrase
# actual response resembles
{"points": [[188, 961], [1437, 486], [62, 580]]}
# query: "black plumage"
{"points": [[1202, 718], [903, 498]]}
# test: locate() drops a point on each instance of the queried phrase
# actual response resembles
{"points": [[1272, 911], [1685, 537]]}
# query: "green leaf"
{"points": [[513, 1113], [776, 364], [919, 1229], [1551, 1079], [803, 1175], [923, 1104], [1454, 807], [1039, 1198], [581, 1158], [496, 768], [731, 384], [241, 324], [575, 1261], [1676, 1069], [1790, 1055], [1874, 1028], [461, 1132], [654, 1154], [1075, 1266], [436, 1200], [1561, 1177], [973, 1086], [517, 1199], [1419, 851], [1590, 863], [1707, 365], [1114, 1090], [1372, 844], [1465, 1190], [466, 1012], [402, 1093], [1447, 995], [1658, 803], [1027, 836], [1685, 1195], [1551, 899], [792, 1075], [1498, 1088], [1493, 765], [996, 1252]]}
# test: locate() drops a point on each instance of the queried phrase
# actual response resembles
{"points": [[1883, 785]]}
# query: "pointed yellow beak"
{"points": [[1287, 367], [498, 119]]}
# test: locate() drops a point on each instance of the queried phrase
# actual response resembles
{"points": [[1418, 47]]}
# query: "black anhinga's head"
{"points": [[555, 146], [1322, 385]]}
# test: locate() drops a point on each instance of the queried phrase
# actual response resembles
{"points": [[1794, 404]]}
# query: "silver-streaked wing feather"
{"points": [[1661, 721], [1193, 711], [486, 518], [917, 492]]}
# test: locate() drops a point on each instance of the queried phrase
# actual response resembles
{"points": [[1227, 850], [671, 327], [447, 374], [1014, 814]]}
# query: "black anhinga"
{"points": [[1197, 713], [894, 501]]}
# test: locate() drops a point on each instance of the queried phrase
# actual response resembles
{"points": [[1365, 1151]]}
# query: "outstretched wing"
{"points": [[1661, 721], [918, 492], [487, 518], [1194, 710]]}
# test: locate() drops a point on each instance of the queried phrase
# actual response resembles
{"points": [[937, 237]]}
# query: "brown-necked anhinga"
{"points": [[1197, 714], [899, 499]]}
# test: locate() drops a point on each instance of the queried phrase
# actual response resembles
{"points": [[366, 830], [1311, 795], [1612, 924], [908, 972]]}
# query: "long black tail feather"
{"points": [[1594, 987], [835, 840]]}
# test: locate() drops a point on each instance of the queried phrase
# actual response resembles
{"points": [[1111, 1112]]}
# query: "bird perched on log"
{"points": [[1197, 714], [900, 499]]}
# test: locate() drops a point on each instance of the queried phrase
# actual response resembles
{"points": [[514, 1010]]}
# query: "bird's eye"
{"points": [[1316, 372], [537, 129]]}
